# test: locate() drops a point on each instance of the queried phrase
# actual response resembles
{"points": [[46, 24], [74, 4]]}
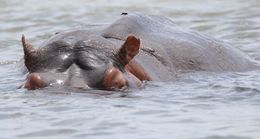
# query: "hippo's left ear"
{"points": [[129, 49], [30, 54]]}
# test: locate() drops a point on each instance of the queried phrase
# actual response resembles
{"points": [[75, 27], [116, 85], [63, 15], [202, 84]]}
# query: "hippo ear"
{"points": [[129, 49], [29, 53]]}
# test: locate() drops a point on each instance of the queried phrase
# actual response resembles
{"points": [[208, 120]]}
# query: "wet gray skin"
{"points": [[78, 64], [80, 57]]}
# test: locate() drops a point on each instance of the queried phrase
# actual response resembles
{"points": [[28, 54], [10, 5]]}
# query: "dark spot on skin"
{"points": [[124, 13], [191, 62]]}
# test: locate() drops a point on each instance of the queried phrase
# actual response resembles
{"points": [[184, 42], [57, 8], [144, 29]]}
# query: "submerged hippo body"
{"points": [[132, 49]]}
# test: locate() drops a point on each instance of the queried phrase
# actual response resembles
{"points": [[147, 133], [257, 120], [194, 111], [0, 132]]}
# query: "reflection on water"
{"points": [[196, 106]]}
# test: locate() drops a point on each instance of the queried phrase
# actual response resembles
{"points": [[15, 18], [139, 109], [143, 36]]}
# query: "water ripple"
{"points": [[195, 106]]}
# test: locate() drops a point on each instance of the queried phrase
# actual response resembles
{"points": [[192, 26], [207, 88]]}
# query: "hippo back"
{"points": [[182, 49]]}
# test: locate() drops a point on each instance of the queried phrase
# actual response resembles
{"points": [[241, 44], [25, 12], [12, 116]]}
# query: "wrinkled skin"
{"points": [[120, 55]]}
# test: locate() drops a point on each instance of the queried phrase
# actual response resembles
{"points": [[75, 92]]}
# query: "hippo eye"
{"points": [[68, 60], [89, 61]]}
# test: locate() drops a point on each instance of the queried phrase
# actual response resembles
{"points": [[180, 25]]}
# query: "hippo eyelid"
{"points": [[66, 64]]}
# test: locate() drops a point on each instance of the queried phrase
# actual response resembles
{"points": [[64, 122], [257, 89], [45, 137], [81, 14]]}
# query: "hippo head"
{"points": [[80, 65]]}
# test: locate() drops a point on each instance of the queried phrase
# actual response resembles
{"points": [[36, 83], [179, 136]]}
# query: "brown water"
{"points": [[197, 106]]}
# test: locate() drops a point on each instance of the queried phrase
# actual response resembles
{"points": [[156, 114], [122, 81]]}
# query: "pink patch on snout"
{"points": [[33, 82]]}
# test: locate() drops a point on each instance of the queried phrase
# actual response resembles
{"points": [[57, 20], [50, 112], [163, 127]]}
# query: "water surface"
{"points": [[196, 106]]}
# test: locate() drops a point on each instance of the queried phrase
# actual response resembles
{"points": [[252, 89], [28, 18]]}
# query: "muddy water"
{"points": [[196, 106]]}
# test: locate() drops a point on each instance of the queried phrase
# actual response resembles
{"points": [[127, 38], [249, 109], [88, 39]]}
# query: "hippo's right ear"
{"points": [[129, 49], [29, 53]]}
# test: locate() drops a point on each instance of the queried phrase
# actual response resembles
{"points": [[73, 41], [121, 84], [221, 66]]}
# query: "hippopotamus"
{"points": [[133, 49]]}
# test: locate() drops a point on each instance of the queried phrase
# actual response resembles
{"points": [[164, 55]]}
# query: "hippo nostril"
{"points": [[33, 82]]}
